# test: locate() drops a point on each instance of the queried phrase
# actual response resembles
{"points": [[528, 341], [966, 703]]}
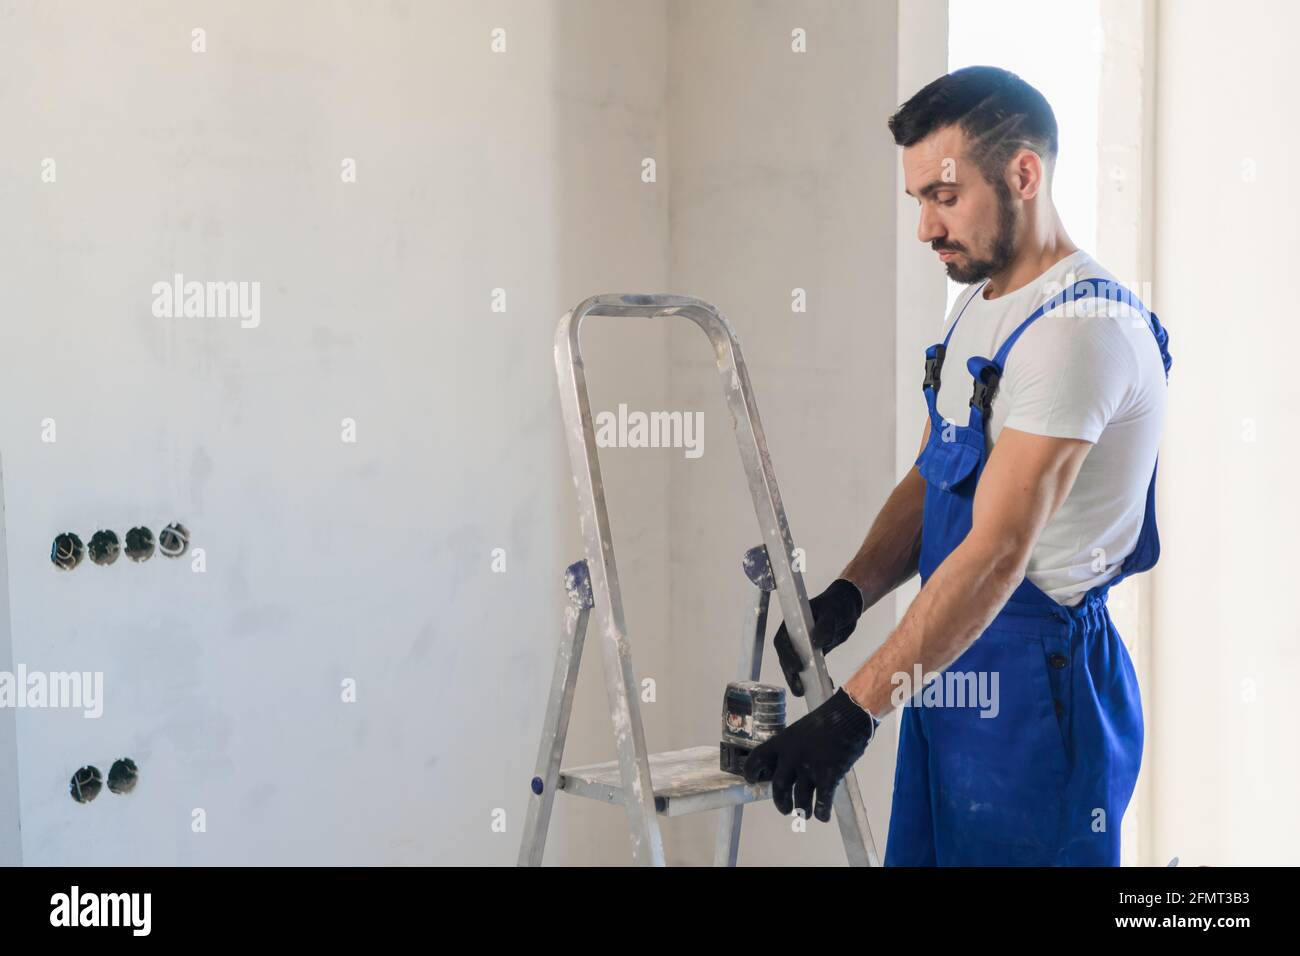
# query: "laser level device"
{"points": [[751, 713]]}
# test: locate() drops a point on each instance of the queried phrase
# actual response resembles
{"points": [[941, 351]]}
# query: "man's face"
{"points": [[969, 222]]}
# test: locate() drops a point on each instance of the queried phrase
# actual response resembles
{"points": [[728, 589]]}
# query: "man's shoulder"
{"points": [[1079, 269], [1086, 267], [1108, 338], [1079, 330]]}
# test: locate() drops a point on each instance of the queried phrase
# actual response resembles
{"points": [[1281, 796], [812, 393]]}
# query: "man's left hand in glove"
{"points": [[812, 755]]}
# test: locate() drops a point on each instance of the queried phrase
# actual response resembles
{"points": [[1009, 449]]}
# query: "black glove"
{"points": [[835, 614], [813, 753]]}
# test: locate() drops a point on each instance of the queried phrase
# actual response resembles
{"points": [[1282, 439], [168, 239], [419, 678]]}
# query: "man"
{"points": [[1032, 495]]}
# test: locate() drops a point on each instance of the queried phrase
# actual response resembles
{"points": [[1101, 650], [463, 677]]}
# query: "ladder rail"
{"points": [[726, 847], [555, 728]]}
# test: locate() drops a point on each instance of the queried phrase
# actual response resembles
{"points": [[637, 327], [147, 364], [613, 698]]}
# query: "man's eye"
{"points": [[948, 202]]}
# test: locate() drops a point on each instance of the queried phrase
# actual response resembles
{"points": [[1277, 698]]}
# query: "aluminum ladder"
{"points": [[680, 781]]}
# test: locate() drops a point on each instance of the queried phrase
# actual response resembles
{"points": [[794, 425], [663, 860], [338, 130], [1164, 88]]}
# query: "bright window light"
{"points": [[1055, 45]]}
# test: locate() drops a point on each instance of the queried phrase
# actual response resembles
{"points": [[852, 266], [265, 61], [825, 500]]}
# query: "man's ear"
{"points": [[1026, 174]]}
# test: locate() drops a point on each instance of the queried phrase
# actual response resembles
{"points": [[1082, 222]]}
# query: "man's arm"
{"points": [[889, 554], [887, 558], [1024, 482]]}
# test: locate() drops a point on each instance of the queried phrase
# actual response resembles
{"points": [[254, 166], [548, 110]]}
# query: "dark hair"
{"points": [[997, 110]]}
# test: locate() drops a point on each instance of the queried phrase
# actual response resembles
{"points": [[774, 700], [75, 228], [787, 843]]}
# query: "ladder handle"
{"points": [[730, 362]]}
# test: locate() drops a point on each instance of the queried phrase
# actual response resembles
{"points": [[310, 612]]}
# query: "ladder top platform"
{"points": [[685, 781]]}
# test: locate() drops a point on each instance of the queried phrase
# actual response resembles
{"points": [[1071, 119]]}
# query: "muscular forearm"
{"points": [[889, 553], [957, 603]]}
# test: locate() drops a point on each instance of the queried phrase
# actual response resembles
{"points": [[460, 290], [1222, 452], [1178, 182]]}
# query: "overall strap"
{"points": [[1106, 289], [987, 373], [978, 289], [934, 357]]}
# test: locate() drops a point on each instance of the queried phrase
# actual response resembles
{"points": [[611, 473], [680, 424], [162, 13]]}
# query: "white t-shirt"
{"points": [[1090, 370]]}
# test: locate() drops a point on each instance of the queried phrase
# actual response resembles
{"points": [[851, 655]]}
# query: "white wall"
{"points": [[328, 560], [783, 177], [1125, 165], [325, 560], [610, 65], [920, 305], [11, 846], [1226, 777]]}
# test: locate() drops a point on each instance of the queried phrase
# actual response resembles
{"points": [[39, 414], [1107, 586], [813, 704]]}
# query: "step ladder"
{"points": [[675, 782]]}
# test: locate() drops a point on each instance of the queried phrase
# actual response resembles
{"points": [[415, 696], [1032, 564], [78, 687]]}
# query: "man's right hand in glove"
{"points": [[835, 614], [812, 755]]}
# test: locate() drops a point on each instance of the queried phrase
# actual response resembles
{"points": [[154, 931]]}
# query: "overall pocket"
{"points": [[946, 465], [1000, 771]]}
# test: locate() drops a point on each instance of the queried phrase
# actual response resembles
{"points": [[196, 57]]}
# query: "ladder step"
{"points": [[685, 781]]}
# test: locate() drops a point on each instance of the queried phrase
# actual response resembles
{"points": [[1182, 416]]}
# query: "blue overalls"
{"points": [[1045, 781]]}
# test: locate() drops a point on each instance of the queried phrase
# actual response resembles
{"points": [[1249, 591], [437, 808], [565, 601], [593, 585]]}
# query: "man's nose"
{"points": [[929, 229]]}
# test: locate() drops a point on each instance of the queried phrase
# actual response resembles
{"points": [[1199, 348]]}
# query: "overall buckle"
{"points": [[986, 386], [932, 368]]}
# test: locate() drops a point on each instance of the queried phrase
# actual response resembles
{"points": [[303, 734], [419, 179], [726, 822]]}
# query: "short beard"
{"points": [[1004, 245]]}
